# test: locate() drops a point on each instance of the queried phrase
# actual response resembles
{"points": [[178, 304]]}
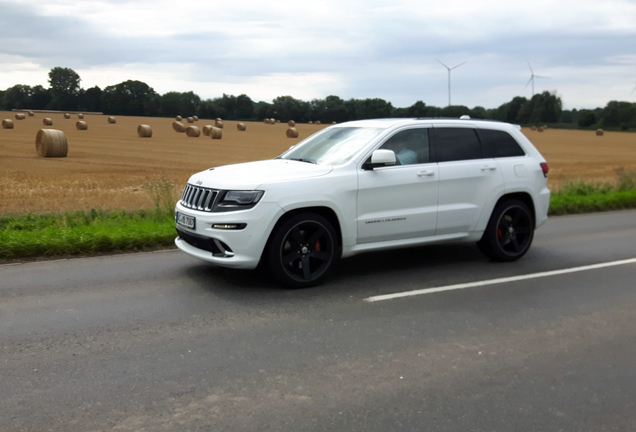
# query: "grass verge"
{"points": [[80, 233]]}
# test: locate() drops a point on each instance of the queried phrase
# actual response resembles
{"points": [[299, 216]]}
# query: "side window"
{"points": [[452, 144], [496, 143], [410, 146]]}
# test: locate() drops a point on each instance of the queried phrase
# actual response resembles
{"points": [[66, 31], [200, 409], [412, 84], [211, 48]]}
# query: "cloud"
{"points": [[353, 49]]}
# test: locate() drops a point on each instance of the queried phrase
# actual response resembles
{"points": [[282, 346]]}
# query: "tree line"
{"points": [[137, 98]]}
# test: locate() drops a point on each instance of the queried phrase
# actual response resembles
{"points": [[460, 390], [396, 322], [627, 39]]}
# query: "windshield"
{"points": [[332, 146]]}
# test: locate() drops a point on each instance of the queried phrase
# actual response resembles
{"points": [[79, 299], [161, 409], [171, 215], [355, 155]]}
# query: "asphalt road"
{"points": [[160, 341]]}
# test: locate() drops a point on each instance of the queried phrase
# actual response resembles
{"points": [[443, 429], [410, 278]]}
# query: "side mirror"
{"points": [[380, 158]]}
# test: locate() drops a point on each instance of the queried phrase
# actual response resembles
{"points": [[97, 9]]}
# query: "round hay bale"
{"points": [[195, 118], [310, 122], [240, 126], [291, 123], [80, 116], [266, 121], [144, 131], [272, 121], [317, 122], [178, 126], [545, 126], [31, 113], [333, 122], [540, 129], [178, 118], [190, 120], [67, 116], [20, 116], [218, 123], [216, 133], [193, 131], [47, 121], [292, 133], [534, 128], [112, 120], [51, 143], [599, 132], [218, 119], [81, 125], [277, 121], [7, 124], [207, 129]]}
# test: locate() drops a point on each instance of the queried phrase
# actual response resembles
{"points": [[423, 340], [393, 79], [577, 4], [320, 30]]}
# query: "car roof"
{"points": [[386, 123]]}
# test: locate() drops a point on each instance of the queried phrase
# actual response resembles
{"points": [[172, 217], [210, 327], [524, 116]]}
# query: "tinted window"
{"points": [[456, 144], [497, 143], [410, 146]]}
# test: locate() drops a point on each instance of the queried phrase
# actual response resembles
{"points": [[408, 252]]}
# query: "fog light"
{"points": [[237, 226]]}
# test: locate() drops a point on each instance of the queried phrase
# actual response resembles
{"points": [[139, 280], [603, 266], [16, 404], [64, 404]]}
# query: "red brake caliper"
{"points": [[317, 245], [499, 233]]}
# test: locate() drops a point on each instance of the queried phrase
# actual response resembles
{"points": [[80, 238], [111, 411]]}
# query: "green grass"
{"points": [[97, 231], [577, 196], [78, 233]]}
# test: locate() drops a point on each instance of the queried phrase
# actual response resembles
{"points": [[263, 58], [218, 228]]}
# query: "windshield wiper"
{"points": [[304, 160]]}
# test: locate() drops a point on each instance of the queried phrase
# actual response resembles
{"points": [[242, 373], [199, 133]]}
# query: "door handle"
{"points": [[488, 168], [425, 173]]}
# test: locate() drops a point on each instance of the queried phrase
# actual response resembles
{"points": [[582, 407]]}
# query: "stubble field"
{"points": [[108, 165]]}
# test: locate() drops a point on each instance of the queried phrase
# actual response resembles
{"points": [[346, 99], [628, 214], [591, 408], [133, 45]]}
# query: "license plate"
{"points": [[185, 220]]}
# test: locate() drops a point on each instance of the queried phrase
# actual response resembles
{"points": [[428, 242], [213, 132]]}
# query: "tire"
{"points": [[303, 250], [509, 232]]}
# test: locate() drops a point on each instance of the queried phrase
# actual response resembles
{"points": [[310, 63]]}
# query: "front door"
{"points": [[399, 202]]}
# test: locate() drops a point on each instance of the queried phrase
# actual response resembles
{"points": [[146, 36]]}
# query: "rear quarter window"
{"points": [[497, 144]]}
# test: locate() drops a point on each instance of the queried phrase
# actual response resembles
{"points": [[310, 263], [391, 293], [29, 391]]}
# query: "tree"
{"points": [[586, 118], [615, 113], [183, 104], [335, 109], [359, 109], [287, 108], [455, 111], [91, 99], [17, 97], [244, 107], [40, 97], [130, 98], [65, 88]]}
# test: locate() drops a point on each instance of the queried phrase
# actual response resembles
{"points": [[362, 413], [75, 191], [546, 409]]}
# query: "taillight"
{"points": [[545, 168]]}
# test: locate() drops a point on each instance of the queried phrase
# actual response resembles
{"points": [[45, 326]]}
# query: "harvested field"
{"points": [[108, 165]]}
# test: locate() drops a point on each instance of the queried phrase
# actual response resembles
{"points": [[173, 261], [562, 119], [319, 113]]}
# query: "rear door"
{"points": [[468, 181]]}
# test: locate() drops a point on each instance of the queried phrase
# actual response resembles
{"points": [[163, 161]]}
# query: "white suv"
{"points": [[368, 185]]}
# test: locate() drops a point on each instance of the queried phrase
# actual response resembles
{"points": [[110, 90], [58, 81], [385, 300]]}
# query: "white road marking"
{"points": [[499, 281]]}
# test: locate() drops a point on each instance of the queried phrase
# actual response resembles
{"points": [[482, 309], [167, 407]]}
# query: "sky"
{"points": [[352, 49]]}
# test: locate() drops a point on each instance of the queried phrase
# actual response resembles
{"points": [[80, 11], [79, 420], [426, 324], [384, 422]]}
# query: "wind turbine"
{"points": [[633, 89], [532, 77], [449, 71]]}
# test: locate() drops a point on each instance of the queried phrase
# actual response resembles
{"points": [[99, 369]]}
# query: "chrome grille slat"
{"points": [[208, 201], [201, 199], [198, 198]]}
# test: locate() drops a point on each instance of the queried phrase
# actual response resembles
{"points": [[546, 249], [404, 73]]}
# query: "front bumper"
{"points": [[241, 248]]}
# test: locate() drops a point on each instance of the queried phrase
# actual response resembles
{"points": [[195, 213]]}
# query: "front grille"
{"points": [[198, 198]]}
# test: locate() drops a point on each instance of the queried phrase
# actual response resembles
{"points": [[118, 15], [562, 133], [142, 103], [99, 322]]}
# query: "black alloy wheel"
{"points": [[509, 232], [303, 250]]}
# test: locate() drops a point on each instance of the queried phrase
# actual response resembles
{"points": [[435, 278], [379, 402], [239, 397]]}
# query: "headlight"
{"points": [[238, 200]]}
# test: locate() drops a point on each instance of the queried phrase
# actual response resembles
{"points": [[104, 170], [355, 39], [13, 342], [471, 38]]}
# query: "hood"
{"points": [[250, 175]]}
